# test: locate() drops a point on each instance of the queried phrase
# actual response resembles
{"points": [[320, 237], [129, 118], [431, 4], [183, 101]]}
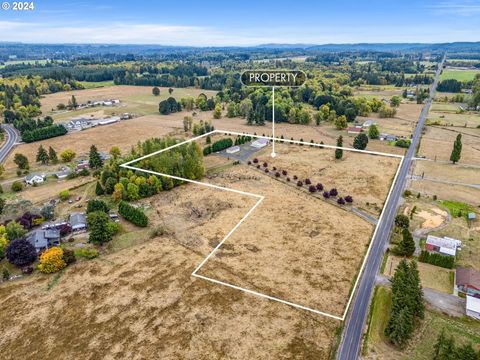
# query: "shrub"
{"points": [[326, 194], [258, 166], [67, 155], [64, 195], [403, 143], [307, 182], [255, 160], [295, 177], [207, 150], [288, 179], [265, 164], [436, 259], [51, 260], [69, 256], [348, 199], [87, 253], [284, 172], [266, 170], [299, 183], [312, 188], [17, 186], [274, 168], [319, 187], [333, 192], [249, 162], [340, 201], [277, 174], [132, 214], [21, 253], [407, 193]]}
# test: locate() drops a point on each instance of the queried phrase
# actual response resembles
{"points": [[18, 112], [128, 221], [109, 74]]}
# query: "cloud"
{"points": [[460, 8]]}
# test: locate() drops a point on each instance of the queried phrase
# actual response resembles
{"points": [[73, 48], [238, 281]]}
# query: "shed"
{"points": [[260, 143], [233, 149], [472, 307], [354, 130]]}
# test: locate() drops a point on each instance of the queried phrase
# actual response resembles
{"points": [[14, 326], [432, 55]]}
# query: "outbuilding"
{"points": [[260, 143], [472, 307], [233, 149]]}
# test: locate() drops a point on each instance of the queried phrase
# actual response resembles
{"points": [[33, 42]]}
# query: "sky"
{"points": [[242, 22]]}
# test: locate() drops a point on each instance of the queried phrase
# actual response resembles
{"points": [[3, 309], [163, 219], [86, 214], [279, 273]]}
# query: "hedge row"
{"points": [[43, 133], [437, 259], [132, 214], [222, 144]]}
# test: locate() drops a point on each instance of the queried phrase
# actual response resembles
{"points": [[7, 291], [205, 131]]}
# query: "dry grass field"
{"points": [[446, 191], [134, 99], [432, 277]]}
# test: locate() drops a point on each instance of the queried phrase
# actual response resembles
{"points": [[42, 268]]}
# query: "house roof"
{"points": [[354, 129], [473, 304], [30, 177], [467, 276], [39, 238], [443, 242], [78, 219], [472, 216]]}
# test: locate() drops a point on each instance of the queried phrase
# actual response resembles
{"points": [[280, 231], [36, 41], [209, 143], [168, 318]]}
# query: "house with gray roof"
{"points": [[44, 239], [78, 221]]}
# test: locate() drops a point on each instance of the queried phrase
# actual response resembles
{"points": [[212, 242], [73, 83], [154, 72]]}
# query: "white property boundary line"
{"points": [[260, 198]]}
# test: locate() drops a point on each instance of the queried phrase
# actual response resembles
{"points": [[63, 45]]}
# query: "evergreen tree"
{"points": [[94, 159], [99, 189], [42, 155], [52, 155], [339, 152], [156, 91], [457, 149], [360, 142], [98, 227], [373, 132], [406, 247]]}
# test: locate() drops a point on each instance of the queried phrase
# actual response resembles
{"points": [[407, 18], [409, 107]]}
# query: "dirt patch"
{"points": [[432, 221]]}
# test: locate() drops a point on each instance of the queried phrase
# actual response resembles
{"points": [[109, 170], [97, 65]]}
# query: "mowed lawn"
{"points": [[460, 75]]}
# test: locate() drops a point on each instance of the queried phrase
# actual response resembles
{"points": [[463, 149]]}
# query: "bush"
{"points": [[333, 192], [207, 150], [258, 166], [295, 177], [284, 172], [266, 170], [132, 214], [319, 187], [249, 162], [403, 143], [402, 221], [326, 194], [288, 179], [21, 253], [312, 188], [69, 256], [17, 186], [51, 260], [87, 253], [64, 195], [348, 199], [255, 161], [299, 183], [274, 168], [277, 174], [307, 182], [437, 259], [265, 164], [407, 193], [340, 201]]}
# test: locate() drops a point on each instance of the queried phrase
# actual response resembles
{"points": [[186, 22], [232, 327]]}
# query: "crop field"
{"points": [[460, 74]]}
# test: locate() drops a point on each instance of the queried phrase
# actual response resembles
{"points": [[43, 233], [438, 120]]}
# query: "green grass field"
{"points": [[93, 85], [460, 75]]}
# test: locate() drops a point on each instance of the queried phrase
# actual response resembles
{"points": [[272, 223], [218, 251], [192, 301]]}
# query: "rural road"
{"points": [[12, 139], [351, 340]]}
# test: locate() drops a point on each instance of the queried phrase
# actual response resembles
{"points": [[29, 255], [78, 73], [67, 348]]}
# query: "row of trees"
{"points": [[407, 303], [132, 214], [437, 259], [44, 133]]}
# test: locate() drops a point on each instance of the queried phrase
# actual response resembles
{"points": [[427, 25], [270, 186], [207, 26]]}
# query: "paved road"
{"points": [[12, 139], [350, 344]]}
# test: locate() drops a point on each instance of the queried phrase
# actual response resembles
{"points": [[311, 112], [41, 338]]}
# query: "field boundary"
{"points": [[260, 198]]}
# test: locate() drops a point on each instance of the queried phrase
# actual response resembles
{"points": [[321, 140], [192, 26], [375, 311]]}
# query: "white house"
{"points": [[472, 308], [33, 179], [444, 246], [260, 143], [368, 123]]}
